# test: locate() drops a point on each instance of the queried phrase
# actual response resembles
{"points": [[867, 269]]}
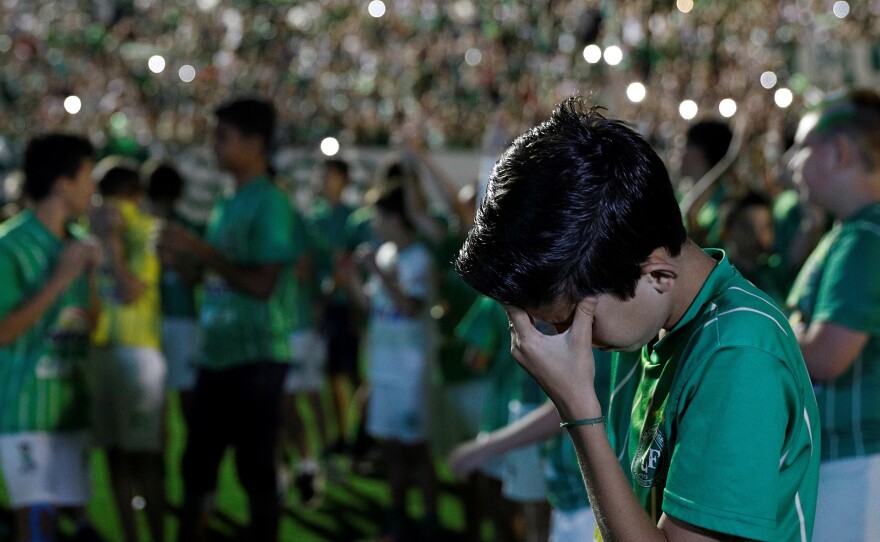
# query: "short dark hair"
{"points": [[163, 181], [390, 200], [712, 137], [118, 176], [855, 114], [338, 165], [50, 156], [573, 208], [250, 116]]}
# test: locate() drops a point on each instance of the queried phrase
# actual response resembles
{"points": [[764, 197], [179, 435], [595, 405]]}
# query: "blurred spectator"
{"points": [[128, 373]]}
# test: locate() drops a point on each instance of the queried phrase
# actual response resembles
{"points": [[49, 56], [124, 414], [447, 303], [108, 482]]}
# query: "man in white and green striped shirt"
{"points": [[836, 309], [47, 307]]}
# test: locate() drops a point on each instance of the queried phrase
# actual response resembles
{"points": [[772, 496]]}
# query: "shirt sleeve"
{"points": [[730, 431], [849, 292]]}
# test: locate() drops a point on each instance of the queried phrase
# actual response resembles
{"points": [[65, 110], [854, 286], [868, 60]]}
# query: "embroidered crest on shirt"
{"points": [[651, 460]]}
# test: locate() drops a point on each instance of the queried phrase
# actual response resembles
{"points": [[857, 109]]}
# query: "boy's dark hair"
{"points": [[335, 164], [712, 137], [251, 117], [736, 207], [118, 177], [163, 181], [573, 208], [50, 156], [390, 200]]}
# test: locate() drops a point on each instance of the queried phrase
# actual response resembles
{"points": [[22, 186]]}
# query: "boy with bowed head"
{"points": [[580, 229]]}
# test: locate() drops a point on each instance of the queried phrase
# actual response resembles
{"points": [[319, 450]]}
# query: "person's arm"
{"points": [[417, 208], [844, 315], [564, 367], [538, 425], [75, 259], [829, 349], [447, 189], [255, 280], [108, 225], [349, 276]]}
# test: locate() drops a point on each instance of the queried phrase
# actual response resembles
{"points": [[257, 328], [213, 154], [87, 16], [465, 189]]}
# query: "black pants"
{"points": [[238, 407]]}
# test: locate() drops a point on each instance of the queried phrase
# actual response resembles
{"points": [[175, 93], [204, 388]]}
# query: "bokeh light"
{"points": [[783, 97], [636, 92], [684, 6], [840, 9], [156, 64], [473, 56], [186, 73], [376, 8], [329, 146], [72, 104], [727, 108], [688, 109], [613, 55], [768, 80], [592, 53]]}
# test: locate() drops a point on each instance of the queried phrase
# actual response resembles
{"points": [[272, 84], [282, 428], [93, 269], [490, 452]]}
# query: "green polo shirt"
{"points": [[42, 372], [721, 432], [840, 283], [252, 227]]}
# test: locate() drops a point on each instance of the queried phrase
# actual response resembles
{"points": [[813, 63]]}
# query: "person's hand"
{"points": [[76, 257], [365, 258], [105, 221], [175, 242], [562, 364], [467, 457]]}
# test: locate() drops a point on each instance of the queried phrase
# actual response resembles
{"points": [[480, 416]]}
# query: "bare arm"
{"points": [[256, 280], [538, 425], [829, 349], [107, 224], [564, 367], [417, 209], [77, 257]]}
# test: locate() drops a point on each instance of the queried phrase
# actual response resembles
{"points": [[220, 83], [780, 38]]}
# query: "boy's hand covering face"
{"points": [[562, 364]]}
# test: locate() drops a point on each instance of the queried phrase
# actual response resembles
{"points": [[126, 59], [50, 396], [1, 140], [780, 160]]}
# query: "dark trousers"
{"points": [[238, 407]]}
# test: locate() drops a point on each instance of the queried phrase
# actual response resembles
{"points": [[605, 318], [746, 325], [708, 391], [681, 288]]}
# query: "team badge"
{"points": [[651, 461]]}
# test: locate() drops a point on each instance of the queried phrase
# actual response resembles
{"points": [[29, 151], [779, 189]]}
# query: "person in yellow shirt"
{"points": [[129, 370]]}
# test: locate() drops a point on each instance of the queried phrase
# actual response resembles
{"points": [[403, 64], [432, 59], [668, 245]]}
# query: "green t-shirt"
{"points": [[42, 381], [721, 428], [327, 224], [254, 226], [485, 327], [562, 473], [840, 283]]}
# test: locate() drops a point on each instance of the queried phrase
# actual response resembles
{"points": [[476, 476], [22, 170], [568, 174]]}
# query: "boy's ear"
{"points": [[660, 270]]}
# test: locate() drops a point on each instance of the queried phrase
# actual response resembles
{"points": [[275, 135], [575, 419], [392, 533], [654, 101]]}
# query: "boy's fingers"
{"points": [[582, 326]]}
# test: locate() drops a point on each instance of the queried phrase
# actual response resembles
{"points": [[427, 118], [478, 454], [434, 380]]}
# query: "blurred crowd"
{"points": [[335, 69]]}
